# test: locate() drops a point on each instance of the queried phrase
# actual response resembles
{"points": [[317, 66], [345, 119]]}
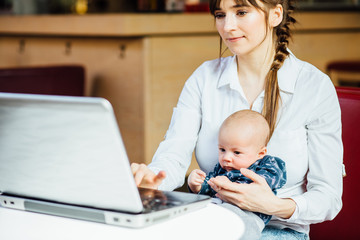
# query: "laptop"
{"points": [[64, 156]]}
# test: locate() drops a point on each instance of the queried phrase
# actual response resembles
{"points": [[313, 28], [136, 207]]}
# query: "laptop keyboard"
{"points": [[156, 200], [155, 204]]}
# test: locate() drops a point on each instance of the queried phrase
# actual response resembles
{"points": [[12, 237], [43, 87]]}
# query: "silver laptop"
{"points": [[64, 156]]}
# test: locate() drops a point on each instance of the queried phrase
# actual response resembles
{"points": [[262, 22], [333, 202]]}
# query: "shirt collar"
{"points": [[228, 75], [287, 74]]}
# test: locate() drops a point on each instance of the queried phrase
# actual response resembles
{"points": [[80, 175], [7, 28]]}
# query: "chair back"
{"points": [[52, 80], [346, 224], [344, 72]]}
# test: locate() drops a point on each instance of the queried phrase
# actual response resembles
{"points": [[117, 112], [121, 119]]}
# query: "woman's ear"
{"points": [[276, 15]]}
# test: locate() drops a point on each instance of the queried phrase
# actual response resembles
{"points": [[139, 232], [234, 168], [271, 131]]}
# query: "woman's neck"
{"points": [[252, 71], [255, 66]]}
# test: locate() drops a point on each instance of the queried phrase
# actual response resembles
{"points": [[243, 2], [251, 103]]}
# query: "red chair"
{"points": [[344, 72], [52, 80], [346, 224]]}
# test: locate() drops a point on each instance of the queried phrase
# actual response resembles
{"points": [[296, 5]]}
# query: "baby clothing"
{"points": [[271, 168]]}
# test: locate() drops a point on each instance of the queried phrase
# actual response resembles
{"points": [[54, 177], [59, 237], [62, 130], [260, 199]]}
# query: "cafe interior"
{"points": [[138, 55]]}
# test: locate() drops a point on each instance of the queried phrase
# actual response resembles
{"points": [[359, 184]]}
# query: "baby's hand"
{"points": [[196, 178]]}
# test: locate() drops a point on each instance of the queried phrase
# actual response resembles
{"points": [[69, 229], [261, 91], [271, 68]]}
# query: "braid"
{"points": [[272, 91], [283, 33]]}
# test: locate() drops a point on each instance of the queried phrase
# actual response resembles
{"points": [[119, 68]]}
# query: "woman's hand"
{"points": [[256, 196], [146, 178]]}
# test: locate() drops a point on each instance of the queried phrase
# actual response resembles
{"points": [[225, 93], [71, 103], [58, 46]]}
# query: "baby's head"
{"points": [[243, 137]]}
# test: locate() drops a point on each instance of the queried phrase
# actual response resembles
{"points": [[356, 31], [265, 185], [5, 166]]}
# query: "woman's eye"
{"points": [[241, 13], [219, 15]]}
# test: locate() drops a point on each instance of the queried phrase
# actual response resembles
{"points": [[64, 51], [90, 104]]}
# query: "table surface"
{"points": [[210, 222]]}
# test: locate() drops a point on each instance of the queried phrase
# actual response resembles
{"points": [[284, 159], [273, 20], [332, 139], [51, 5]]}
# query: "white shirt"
{"points": [[307, 136]]}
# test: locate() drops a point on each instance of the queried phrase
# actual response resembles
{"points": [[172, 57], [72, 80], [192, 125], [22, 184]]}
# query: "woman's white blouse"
{"points": [[307, 136]]}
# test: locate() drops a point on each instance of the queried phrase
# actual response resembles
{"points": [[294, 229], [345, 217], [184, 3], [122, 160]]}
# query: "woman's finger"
{"points": [[159, 178], [134, 167], [220, 182], [227, 196], [139, 176], [231, 197], [144, 177], [252, 175]]}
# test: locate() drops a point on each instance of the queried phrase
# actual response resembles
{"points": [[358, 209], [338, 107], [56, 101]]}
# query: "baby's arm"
{"points": [[196, 178], [274, 172]]}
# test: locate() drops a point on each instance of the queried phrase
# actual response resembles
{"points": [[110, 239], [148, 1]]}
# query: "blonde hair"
{"points": [[252, 121], [281, 41]]}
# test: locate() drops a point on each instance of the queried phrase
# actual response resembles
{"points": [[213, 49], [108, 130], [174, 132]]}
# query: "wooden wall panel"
{"points": [[319, 48], [113, 71]]}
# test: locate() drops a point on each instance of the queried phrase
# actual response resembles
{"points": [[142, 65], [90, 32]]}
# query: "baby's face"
{"points": [[236, 150]]}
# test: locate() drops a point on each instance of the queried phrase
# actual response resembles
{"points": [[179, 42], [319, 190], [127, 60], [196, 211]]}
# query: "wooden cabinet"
{"points": [[140, 62]]}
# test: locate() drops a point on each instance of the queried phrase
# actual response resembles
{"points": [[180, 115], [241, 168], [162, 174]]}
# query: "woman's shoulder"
{"points": [[308, 77], [310, 87], [307, 70]]}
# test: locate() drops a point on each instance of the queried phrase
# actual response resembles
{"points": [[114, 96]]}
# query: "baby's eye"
{"points": [[237, 152], [221, 149]]}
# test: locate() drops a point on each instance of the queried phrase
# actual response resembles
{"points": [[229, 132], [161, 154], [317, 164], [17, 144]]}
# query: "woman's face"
{"points": [[242, 27]]}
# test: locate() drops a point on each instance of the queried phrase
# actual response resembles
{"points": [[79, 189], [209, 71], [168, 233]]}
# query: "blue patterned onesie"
{"points": [[270, 168]]}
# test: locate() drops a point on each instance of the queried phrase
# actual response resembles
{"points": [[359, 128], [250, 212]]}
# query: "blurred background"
{"points": [[116, 6]]}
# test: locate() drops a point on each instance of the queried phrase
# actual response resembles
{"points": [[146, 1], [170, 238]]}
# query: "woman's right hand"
{"points": [[146, 178]]}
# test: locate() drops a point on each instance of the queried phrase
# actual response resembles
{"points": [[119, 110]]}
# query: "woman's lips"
{"points": [[234, 39]]}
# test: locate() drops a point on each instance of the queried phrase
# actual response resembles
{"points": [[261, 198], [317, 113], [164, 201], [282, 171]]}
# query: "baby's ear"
{"points": [[262, 152]]}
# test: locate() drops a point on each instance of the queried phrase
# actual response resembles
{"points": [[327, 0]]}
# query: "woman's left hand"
{"points": [[256, 196]]}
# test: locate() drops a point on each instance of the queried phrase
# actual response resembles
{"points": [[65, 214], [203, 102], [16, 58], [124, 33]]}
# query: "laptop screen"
{"points": [[66, 149]]}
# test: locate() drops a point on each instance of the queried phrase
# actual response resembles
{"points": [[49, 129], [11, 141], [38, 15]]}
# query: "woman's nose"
{"points": [[230, 22]]}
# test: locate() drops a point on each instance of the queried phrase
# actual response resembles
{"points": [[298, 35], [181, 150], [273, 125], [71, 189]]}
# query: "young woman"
{"points": [[298, 101]]}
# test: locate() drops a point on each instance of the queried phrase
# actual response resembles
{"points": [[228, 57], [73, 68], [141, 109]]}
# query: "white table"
{"points": [[211, 222]]}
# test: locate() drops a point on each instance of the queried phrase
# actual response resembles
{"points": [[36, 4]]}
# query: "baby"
{"points": [[243, 138]]}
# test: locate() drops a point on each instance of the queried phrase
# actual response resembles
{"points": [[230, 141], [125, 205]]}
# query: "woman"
{"points": [[297, 100]]}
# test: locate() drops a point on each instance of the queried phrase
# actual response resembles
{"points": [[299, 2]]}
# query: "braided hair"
{"points": [[282, 35]]}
